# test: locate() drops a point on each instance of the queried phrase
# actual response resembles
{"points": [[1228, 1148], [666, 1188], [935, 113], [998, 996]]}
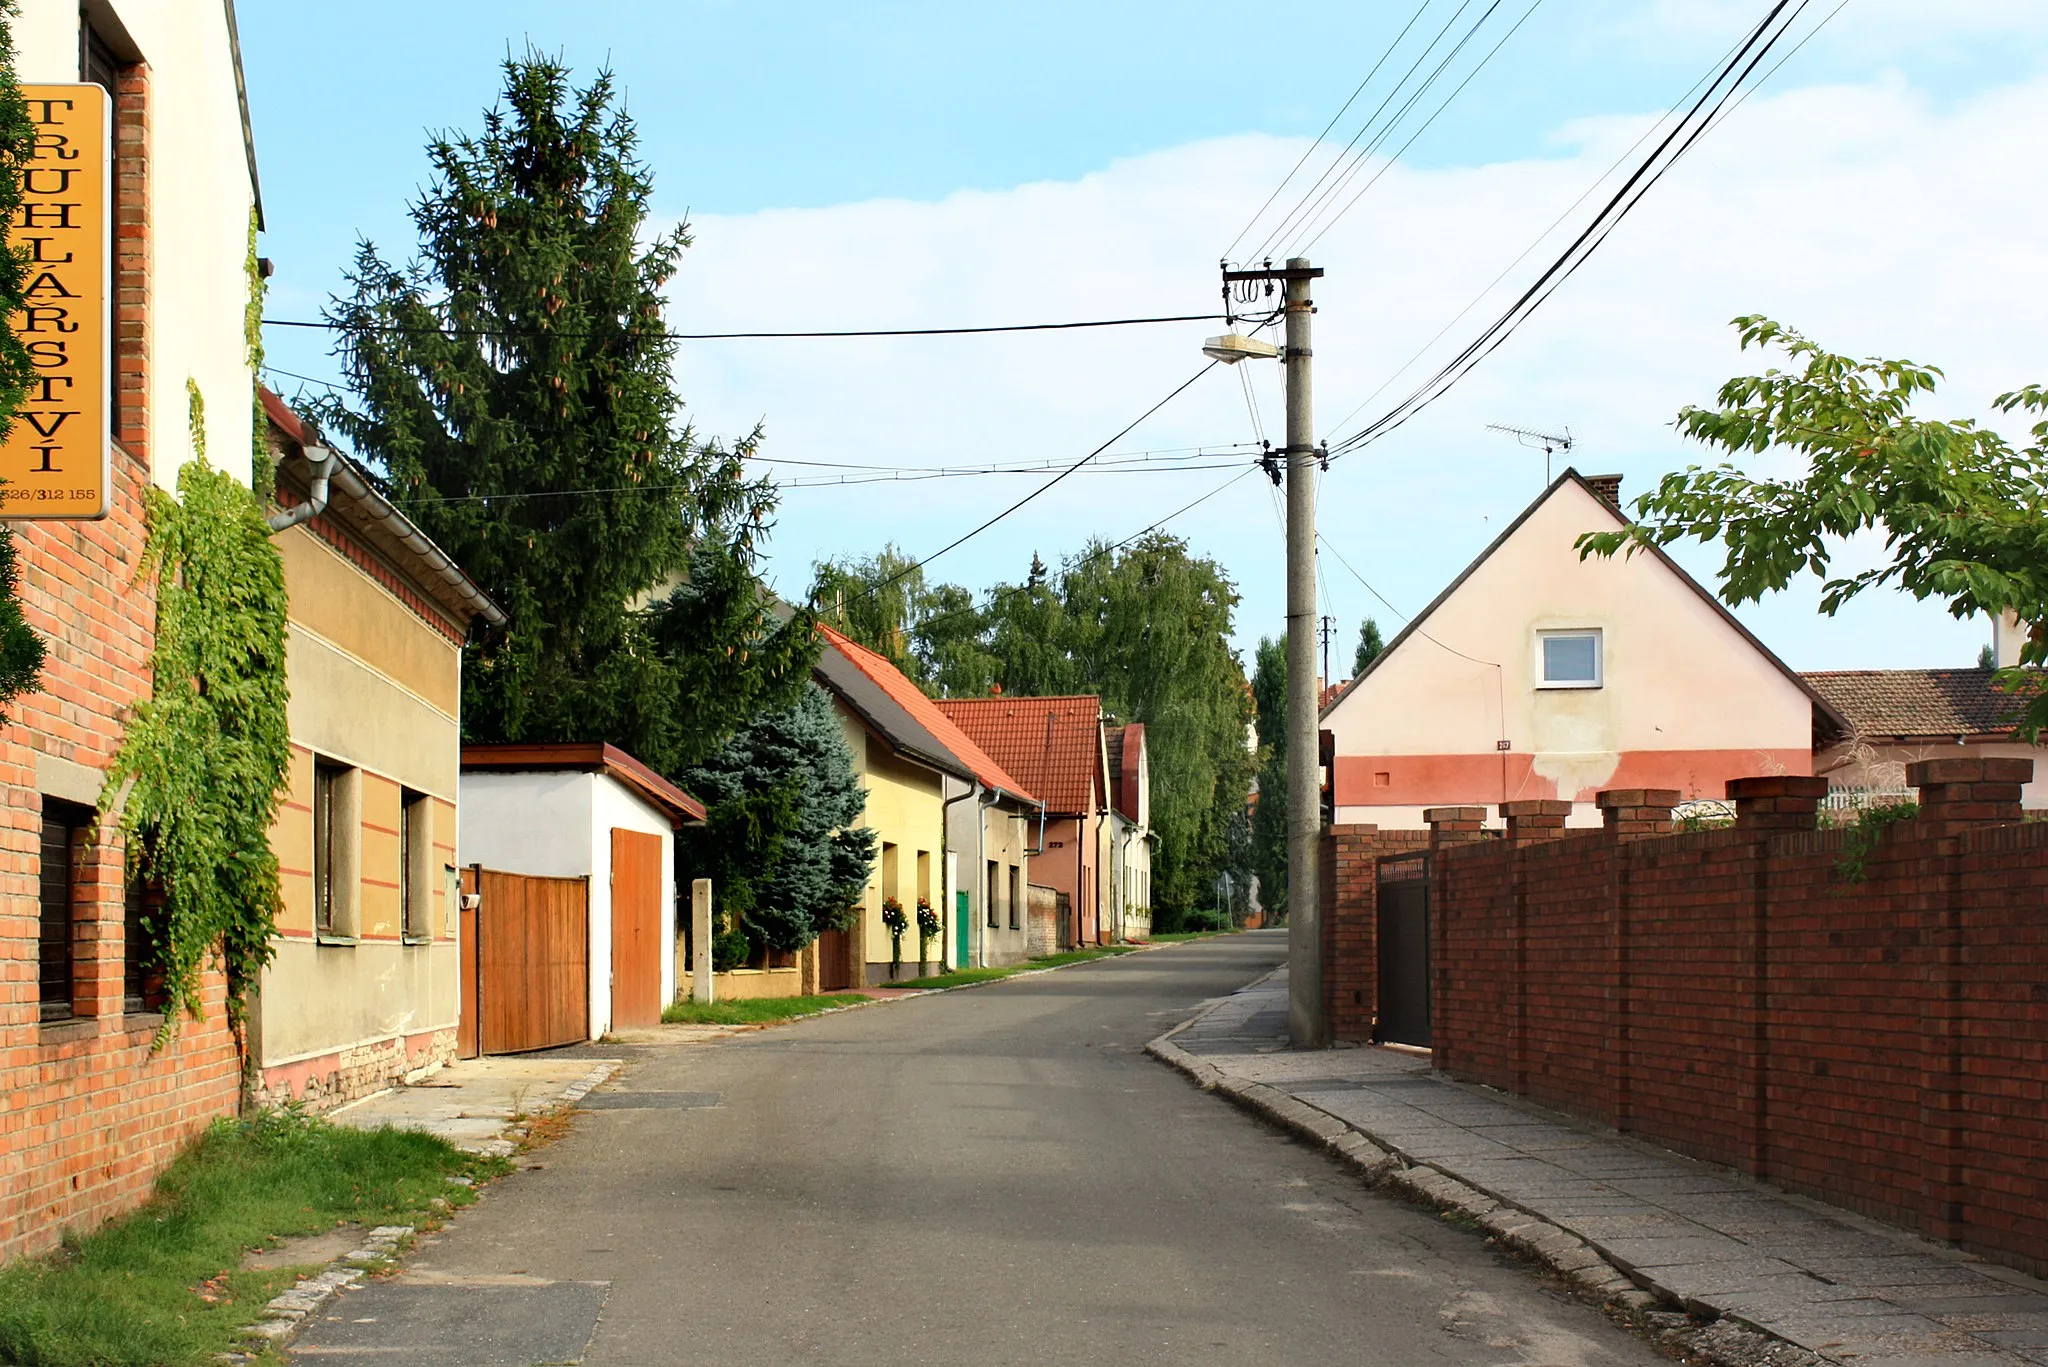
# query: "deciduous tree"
{"points": [[1964, 511]]}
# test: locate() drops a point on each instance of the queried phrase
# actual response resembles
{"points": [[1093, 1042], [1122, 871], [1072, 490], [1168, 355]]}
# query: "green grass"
{"points": [[958, 977], [135, 1291], [1176, 937], [961, 977], [757, 1011]]}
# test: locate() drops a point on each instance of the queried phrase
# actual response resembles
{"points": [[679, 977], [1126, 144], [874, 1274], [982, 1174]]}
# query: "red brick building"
{"points": [[89, 1111]]}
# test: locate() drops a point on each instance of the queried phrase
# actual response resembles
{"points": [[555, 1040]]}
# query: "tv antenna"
{"points": [[1549, 441]]}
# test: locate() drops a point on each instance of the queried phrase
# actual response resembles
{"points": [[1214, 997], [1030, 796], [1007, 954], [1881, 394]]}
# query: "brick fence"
{"points": [[1876, 1037]]}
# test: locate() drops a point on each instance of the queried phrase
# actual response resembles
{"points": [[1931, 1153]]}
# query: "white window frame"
{"points": [[1596, 635]]}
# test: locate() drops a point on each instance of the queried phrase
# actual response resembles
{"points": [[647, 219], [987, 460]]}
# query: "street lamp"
{"points": [[1233, 347]]}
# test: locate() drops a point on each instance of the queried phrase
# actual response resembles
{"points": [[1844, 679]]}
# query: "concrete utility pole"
{"points": [[1305, 1017], [1307, 1023]]}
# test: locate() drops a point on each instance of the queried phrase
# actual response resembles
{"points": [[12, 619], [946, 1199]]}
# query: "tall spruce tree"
{"points": [[514, 382], [781, 845]]}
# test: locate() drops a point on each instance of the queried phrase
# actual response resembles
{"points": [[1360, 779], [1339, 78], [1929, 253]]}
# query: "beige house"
{"points": [[1541, 674], [363, 989]]}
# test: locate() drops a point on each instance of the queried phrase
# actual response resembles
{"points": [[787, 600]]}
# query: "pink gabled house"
{"points": [[1539, 674]]}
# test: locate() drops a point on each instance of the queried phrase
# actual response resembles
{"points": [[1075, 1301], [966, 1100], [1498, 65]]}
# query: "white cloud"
{"points": [[1861, 213]]}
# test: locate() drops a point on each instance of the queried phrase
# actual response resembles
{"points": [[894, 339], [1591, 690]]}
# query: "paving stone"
{"points": [[1790, 1281]]}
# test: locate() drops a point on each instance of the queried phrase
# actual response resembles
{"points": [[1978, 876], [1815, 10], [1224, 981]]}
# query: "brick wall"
{"points": [[1878, 1042], [89, 1114]]}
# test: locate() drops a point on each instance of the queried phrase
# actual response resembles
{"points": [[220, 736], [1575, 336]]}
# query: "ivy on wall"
{"points": [[205, 760]]}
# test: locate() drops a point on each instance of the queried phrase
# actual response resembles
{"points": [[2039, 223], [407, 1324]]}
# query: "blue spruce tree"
{"points": [[780, 844]]}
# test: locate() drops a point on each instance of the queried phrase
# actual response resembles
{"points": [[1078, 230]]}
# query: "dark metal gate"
{"points": [[1404, 949]]}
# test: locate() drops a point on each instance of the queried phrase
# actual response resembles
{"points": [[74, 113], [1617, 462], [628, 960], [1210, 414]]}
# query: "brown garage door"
{"points": [[532, 979], [636, 929]]}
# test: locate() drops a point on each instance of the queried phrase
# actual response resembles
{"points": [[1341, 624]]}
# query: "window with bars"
{"points": [[65, 828], [1016, 894], [990, 885]]}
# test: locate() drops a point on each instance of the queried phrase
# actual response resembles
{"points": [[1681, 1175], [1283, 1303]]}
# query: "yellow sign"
{"points": [[56, 459]]}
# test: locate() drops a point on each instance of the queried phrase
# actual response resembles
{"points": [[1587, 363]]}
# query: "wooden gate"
{"points": [[526, 956], [1404, 949], [835, 960], [636, 929]]}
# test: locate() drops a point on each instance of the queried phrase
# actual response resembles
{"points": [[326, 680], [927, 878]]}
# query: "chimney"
{"points": [[1608, 487], [2007, 636]]}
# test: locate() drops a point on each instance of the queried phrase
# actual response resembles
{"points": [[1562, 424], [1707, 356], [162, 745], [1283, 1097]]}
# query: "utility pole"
{"points": [[1307, 1022], [1326, 630]]}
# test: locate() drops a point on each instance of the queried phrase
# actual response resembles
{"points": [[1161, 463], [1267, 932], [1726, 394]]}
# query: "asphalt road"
{"points": [[989, 1176]]}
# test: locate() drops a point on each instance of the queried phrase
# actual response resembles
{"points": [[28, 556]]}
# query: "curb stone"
{"points": [[284, 1314], [1647, 1309]]}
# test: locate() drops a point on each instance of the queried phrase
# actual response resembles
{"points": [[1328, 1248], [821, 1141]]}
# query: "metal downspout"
{"points": [[316, 493], [945, 844]]}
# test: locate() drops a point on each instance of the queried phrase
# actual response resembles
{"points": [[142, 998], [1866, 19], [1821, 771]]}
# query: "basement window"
{"points": [[1568, 659]]}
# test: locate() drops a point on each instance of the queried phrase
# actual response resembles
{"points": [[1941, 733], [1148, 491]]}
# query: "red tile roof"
{"points": [[1053, 744], [911, 699]]}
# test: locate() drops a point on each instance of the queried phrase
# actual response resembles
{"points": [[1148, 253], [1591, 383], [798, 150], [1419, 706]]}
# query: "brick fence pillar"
{"points": [[1970, 791], [1776, 802], [1637, 813], [1350, 930], [1534, 819], [1454, 825]]}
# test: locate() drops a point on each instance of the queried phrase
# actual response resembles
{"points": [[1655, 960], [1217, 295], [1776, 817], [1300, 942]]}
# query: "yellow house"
{"points": [[904, 767], [363, 987]]}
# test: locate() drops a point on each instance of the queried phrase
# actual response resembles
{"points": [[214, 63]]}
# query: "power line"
{"points": [[330, 325], [1327, 127], [1535, 242], [1725, 83], [969, 535], [999, 595], [1402, 150], [1287, 221]]}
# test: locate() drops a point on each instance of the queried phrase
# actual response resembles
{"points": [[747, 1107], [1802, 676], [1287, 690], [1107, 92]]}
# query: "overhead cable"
{"points": [[1360, 90], [331, 325], [1724, 86]]}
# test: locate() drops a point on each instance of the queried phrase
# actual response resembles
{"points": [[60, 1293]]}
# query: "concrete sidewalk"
{"points": [[477, 1104], [1702, 1254]]}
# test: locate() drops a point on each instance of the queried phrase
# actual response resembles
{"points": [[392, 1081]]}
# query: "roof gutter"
{"points": [[401, 526]]}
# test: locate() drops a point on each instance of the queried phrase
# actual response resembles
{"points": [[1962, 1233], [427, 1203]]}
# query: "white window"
{"points": [[1568, 659]]}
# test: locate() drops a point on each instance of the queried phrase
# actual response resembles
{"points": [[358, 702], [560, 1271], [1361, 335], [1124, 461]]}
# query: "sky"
{"points": [[911, 165]]}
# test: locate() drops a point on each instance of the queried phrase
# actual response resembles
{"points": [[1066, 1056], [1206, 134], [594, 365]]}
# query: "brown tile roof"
{"points": [[1917, 702], [911, 699], [1053, 744]]}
